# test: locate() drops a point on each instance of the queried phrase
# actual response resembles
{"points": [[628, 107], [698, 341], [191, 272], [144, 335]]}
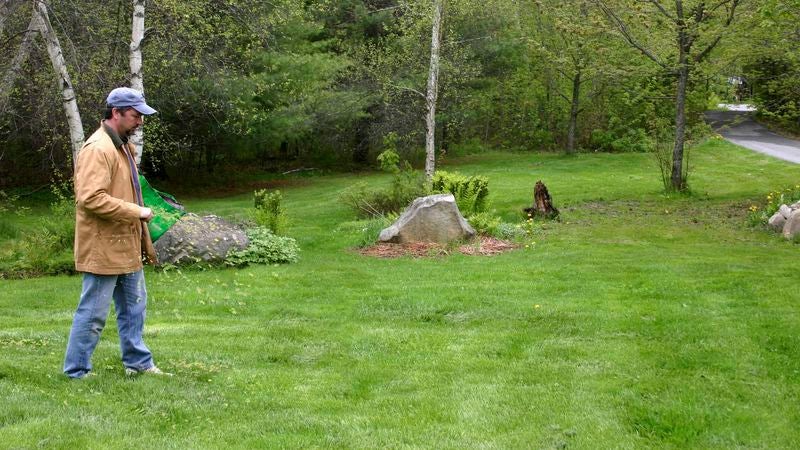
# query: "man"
{"points": [[111, 239]]}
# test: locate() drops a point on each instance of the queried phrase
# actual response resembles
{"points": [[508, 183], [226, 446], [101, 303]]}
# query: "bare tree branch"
{"points": [[623, 28], [731, 14], [663, 10], [404, 88]]}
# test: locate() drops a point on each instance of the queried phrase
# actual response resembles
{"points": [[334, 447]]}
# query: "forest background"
{"points": [[250, 85]]}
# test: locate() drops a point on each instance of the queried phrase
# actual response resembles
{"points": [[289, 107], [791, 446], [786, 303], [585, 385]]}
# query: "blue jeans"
{"points": [[130, 301]]}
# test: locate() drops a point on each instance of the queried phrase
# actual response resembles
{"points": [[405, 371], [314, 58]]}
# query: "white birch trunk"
{"points": [[60, 67], [16, 65], [433, 89], [137, 79]]}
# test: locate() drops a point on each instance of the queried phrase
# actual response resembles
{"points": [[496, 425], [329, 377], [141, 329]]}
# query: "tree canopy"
{"points": [[282, 84]]}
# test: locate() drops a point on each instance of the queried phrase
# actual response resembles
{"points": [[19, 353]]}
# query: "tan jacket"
{"points": [[110, 239]]}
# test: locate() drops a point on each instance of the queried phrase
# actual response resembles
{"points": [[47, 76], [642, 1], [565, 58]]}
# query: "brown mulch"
{"points": [[487, 246]]}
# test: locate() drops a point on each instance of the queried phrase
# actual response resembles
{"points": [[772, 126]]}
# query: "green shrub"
{"points": [[367, 202], [269, 212], [774, 200], [471, 192], [265, 248], [406, 185], [484, 223]]}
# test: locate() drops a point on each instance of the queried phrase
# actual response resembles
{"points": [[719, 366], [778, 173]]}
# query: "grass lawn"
{"points": [[638, 321]]}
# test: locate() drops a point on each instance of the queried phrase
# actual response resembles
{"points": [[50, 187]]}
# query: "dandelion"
{"points": [[537, 306]]}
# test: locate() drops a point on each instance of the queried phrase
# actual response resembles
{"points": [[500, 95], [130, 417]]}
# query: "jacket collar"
{"points": [[115, 138]]}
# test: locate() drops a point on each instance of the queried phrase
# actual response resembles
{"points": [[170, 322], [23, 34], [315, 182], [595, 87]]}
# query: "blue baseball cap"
{"points": [[124, 96]]}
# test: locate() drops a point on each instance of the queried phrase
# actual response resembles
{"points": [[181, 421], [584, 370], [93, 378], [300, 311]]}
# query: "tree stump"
{"points": [[542, 203]]}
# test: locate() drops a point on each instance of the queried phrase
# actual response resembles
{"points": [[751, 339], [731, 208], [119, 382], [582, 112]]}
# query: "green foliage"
{"points": [[484, 223], [773, 201], [775, 82], [389, 160], [366, 201], [46, 248], [265, 248], [471, 192], [405, 186], [8, 206], [269, 211]]}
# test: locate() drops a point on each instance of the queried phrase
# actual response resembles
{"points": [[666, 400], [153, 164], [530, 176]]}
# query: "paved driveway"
{"points": [[739, 128]]}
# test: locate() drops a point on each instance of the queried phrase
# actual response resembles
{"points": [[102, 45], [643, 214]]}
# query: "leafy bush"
{"points": [[484, 223], [265, 248], [269, 212], [631, 140], [471, 192]]}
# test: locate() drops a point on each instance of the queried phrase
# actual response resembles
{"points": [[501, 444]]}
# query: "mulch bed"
{"points": [[487, 246]]}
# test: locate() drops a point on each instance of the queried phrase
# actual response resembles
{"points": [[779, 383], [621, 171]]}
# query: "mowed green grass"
{"points": [[638, 321]]}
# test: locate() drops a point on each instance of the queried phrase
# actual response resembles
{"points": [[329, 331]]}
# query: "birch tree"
{"points": [[433, 90], [691, 25], [60, 66], [137, 79]]}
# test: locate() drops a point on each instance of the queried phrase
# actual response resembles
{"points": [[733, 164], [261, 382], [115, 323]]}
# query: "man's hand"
{"points": [[146, 214]]}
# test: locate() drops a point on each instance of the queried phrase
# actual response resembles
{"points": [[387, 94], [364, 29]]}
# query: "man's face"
{"points": [[128, 121]]}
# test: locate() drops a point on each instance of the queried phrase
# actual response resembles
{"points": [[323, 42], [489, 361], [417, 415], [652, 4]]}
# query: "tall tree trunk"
{"points": [[677, 180], [433, 88], [60, 67], [574, 110], [16, 65], [137, 79]]}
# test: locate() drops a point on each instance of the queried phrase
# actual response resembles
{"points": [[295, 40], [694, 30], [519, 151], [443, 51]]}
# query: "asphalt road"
{"points": [[739, 127]]}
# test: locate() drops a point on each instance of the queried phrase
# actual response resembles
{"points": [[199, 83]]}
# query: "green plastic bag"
{"points": [[166, 210]]}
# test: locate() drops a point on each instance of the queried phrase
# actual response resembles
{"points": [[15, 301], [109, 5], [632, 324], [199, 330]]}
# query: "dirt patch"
{"points": [[486, 246]]}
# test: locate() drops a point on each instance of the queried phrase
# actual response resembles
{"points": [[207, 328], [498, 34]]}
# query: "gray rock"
{"points": [[199, 239], [792, 226], [434, 218], [785, 211], [777, 221]]}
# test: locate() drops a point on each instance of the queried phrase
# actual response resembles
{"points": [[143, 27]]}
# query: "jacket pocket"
{"points": [[116, 250]]}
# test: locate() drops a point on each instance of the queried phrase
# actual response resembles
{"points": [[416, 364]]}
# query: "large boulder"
{"points": [[792, 226], [434, 218], [199, 239]]}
